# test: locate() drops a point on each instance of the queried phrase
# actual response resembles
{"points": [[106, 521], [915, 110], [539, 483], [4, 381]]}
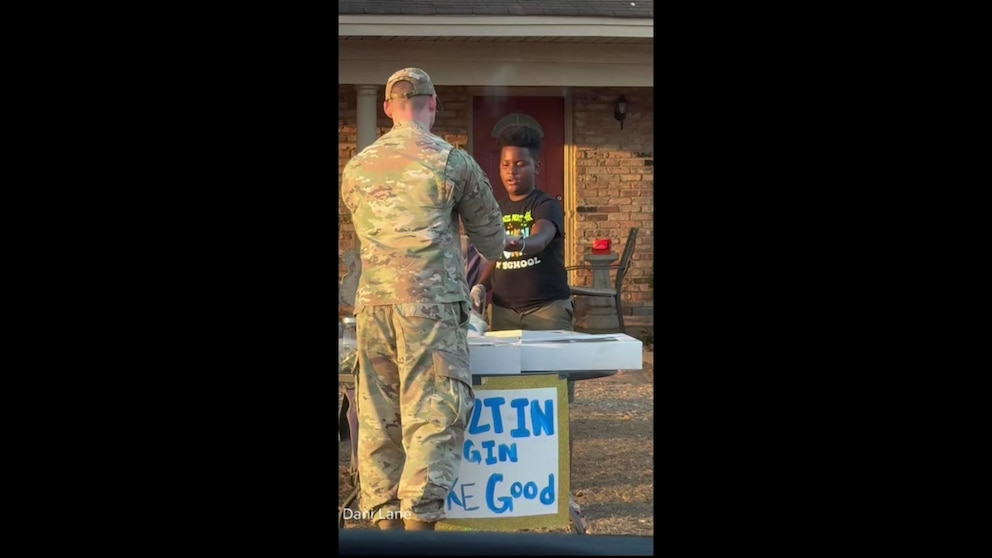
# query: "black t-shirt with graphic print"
{"points": [[524, 283]]}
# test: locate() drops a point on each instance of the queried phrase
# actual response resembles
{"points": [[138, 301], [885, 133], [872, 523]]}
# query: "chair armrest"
{"points": [[586, 266], [592, 291]]}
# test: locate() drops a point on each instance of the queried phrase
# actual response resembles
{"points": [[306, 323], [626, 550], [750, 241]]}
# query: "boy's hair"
{"points": [[521, 136]]}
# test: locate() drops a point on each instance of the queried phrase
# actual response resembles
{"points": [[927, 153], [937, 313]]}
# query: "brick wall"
{"points": [[614, 171], [615, 182]]}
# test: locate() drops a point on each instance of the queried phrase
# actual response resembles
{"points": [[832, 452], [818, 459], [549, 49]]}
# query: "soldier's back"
{"points": [[402, 208]]}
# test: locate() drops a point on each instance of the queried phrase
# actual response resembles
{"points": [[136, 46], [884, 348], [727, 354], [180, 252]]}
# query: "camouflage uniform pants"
{"points": [[414, 398]]}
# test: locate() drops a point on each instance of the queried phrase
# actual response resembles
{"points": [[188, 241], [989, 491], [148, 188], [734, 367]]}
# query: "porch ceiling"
{"points": [[476, 39], [364, 25], [500, 62], [608, 8]]}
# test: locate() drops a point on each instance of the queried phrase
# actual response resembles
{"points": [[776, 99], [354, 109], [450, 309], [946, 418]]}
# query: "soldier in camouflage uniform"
{"points": [[406, 193]]}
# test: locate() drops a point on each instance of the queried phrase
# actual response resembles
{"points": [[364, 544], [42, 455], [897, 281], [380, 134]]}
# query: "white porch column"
{"points": [[365, 115]]}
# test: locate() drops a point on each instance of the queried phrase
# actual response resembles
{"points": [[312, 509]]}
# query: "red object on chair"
{"points": [[601, 246]]}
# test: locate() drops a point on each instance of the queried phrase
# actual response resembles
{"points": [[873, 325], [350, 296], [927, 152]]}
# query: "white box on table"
{"points": [[567, 350], [492, 356]]}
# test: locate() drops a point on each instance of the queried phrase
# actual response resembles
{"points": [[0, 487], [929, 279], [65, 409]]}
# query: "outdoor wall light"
{"points": [[620, 112]]}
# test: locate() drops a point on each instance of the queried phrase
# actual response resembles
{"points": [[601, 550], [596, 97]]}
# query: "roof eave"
{"points": [[493, 26]]}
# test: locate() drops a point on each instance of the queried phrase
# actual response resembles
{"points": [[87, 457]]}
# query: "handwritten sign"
{"points": [[515, 462]]}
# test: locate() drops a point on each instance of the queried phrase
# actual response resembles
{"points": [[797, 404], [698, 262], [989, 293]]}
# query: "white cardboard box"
{"points": [[515, 351], [491, 355]]}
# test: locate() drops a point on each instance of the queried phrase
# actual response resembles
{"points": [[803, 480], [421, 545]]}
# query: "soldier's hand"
{"points": [[477, 297]]}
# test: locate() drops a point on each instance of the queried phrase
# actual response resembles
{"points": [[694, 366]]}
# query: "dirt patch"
{"points": [[612, 422]]}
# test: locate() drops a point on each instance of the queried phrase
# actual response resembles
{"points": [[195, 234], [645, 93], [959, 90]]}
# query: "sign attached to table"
{"points": [[515, 462]]}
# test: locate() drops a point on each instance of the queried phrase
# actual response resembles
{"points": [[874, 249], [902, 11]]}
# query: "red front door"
{"points": [[491, 114]]}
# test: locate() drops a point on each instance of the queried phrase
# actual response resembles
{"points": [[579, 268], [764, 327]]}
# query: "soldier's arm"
{"points": [[481, 216], [345, 189]]}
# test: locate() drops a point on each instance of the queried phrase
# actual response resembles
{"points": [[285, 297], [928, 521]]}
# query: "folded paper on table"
{"points": [[516, 351]]}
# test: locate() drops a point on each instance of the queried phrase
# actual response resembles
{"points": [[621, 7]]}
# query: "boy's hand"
{"points": [[514, 243]]}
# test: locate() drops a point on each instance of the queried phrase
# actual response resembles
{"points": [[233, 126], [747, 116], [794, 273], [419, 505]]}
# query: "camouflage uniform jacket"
{"points": [[405, 193]]}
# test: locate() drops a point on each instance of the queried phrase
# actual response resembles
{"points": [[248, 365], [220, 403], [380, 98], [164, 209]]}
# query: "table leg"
{"points": [[579, 524]]}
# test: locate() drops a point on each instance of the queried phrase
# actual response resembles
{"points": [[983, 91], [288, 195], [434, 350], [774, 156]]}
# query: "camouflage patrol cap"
{"points": [[421, 82]]}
